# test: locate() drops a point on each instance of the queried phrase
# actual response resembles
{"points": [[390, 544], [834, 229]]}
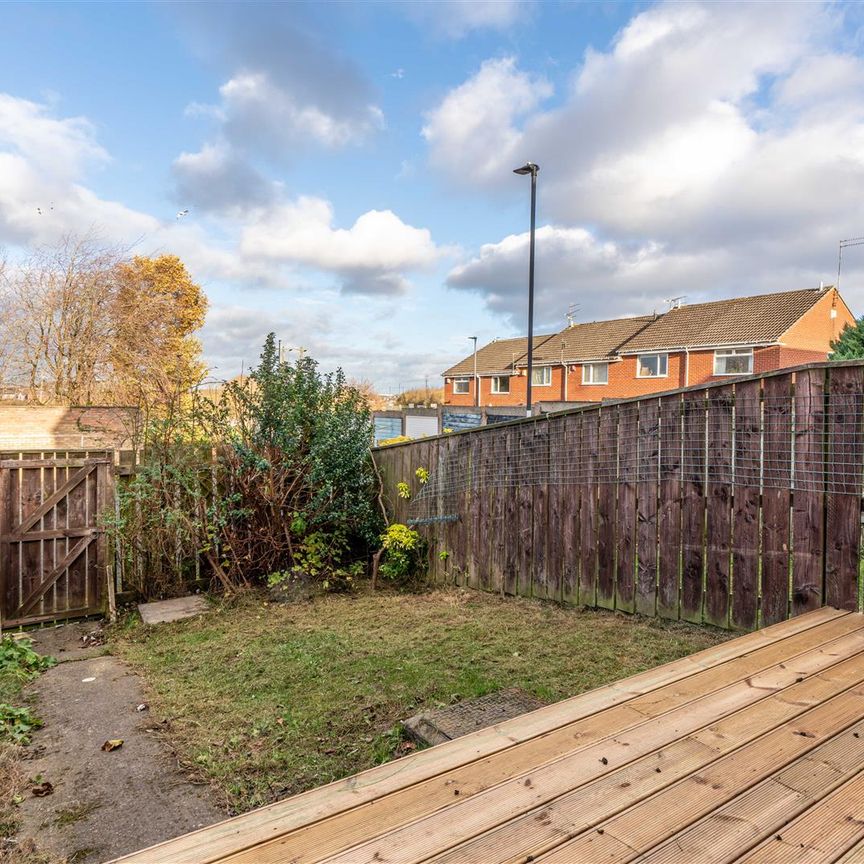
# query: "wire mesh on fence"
{"points": [[773, 442]]}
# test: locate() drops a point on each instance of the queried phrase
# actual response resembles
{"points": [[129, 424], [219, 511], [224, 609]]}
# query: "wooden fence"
{"points": [[736, 504]]}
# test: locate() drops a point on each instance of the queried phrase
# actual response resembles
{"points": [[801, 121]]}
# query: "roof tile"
{"points": [[497, 356], [738, 321]]}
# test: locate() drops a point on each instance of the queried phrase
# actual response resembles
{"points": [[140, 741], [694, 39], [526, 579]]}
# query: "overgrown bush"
{"points": [[271, 478]]}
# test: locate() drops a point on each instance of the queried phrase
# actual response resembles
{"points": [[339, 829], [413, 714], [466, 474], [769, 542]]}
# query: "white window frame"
{"points": [[725, 353], [496, 384], [546, 376], [665, 363], [589, 371], [457, 385]]}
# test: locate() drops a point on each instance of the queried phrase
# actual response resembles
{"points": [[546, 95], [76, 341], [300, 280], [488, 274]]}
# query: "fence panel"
{"points": [[843, 483], [627, 473], [524, 517], [540, 586], [588, 520], [776, 477], [607, 499], [570, 492], [808, 508], [647, 514], [737, 504], [693, 516], [669, 518], [745, 511], [719, 506]]}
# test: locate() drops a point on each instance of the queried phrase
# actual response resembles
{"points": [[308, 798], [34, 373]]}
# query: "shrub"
{"points": [[273, 475], [403, 553]]}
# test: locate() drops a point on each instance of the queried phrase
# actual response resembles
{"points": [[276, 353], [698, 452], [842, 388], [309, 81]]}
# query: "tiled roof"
{"points": [[739, 321], [592, 340], [497, 356]]}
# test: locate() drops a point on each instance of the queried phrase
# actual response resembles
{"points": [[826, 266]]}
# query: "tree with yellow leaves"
{"points": [[83, 324], [158, 309]]}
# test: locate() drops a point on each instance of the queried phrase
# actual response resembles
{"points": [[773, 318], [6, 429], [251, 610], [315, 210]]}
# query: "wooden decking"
{"points": [[750, 751]]}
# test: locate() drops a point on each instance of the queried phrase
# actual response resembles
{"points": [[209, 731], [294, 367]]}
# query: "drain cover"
{"points": [[443, 724]]}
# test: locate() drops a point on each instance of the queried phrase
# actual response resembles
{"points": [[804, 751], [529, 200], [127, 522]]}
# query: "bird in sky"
{"points": [[182, 213]]}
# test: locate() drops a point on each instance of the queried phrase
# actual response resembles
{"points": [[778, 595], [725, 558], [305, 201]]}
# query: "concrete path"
{"points": [[104, 804]]}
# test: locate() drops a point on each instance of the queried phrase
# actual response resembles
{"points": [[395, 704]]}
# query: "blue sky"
{"points": [[347, 166]]}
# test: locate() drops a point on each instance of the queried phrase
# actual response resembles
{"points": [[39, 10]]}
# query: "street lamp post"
{"points": [[476, 384], [532, 169]]}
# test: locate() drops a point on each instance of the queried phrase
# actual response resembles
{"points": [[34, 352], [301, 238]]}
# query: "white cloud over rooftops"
{"points": [[711, 147]]}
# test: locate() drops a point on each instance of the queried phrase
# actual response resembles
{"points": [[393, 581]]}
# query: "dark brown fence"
{"points": [[733, 504]]}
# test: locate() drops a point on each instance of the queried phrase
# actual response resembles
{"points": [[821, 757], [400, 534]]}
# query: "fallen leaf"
{"points": [[42, 789], [112, 744]]}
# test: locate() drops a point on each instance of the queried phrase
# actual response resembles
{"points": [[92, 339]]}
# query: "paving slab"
{"points": [[176, 609], [437, 725]]}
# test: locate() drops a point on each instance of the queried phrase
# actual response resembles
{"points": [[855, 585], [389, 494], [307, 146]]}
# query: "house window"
{"points": [[461, 385], [501, 384], [542, 376], [733, 361], [652, 366], [595, 373]]}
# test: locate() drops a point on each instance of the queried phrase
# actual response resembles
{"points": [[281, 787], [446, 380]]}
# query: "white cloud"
{"points": [[62, 147], [457, 18], [215, 178], [474, 128], [259, 112], [371, 255], [727, 139]]}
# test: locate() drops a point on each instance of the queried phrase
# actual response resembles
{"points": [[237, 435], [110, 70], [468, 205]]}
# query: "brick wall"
{"points": [[48, 427], [816, 329], [517, 395]]}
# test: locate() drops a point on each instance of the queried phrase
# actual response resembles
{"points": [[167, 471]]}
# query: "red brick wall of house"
{"points": [[816, 329], [517, 395], [623, 382]]}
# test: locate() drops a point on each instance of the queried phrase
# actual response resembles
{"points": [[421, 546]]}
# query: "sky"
{"points": [[347, 167]]}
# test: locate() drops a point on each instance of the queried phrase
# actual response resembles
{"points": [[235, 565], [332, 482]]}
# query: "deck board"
{"points": [[706, 758]]}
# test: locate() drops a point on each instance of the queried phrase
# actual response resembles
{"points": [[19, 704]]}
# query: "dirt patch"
{"points": [[103, 804]]}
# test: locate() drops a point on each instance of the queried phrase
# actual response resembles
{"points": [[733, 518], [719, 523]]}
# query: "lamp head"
{"points": [[527, 168]]}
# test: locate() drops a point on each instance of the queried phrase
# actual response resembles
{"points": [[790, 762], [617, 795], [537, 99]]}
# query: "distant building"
{"points": [[689, 344]]}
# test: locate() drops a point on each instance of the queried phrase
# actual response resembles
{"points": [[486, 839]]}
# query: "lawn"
{"points": [[267, 700]]}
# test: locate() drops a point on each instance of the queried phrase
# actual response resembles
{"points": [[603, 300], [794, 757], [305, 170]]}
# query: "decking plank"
{"points": [[470, 815], [853, 855], [541, 830], [766, 809], [663, 815], [814, 837], [355, 794]]}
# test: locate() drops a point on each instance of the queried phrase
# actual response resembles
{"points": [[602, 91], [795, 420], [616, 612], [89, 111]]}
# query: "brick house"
{"points": [[589, 362]]}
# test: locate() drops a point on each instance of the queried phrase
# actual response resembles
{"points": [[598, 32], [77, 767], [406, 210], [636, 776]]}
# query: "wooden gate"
{"points": [[53, 555]]}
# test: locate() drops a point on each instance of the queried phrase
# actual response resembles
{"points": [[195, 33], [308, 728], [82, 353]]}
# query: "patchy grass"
{"points": [[265, 700]]}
